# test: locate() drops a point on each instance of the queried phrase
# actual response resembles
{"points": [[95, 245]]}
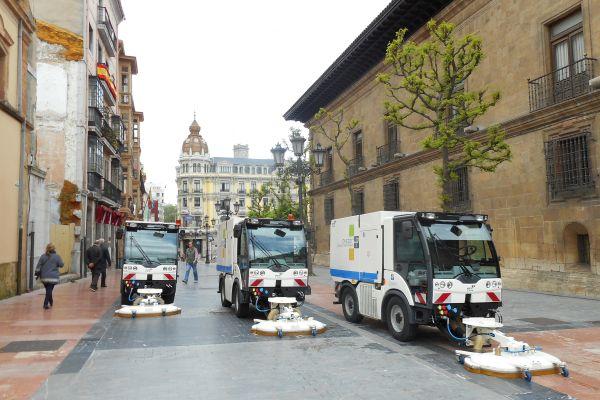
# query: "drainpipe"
{"points": [[21, 156], [83, 190]]}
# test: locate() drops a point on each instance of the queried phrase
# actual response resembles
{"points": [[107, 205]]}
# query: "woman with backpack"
{"points": [[48, 271]]}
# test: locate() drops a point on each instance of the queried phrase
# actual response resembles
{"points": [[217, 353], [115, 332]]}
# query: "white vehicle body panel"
{"points": [[362, 253]]}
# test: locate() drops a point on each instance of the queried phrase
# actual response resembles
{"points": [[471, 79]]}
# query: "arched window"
{"points": [[577, 245], [194, 167]]}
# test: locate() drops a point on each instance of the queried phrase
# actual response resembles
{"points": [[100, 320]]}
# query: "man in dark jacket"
{"points": [[105, 262], [93, 258]]}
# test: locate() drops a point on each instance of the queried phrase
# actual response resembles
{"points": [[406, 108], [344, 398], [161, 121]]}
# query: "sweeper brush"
{"points": [[149, 304], [285, 320], [510, 359]]}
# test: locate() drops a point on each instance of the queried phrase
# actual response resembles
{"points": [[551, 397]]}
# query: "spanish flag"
{"points": [[102, 72]]}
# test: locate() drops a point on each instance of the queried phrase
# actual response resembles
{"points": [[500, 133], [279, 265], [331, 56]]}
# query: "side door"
{"points": [[410, 261]]}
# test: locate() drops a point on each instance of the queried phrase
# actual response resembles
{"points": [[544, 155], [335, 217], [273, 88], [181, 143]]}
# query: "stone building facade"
{"points": [[20, 172], [80, 131], [131, 152], [203, 180], [543, 205]]}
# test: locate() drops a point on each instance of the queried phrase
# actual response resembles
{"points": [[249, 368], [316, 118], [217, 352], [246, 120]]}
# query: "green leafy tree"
{"points": [[170, 212], [425, 91], [333, 127]]}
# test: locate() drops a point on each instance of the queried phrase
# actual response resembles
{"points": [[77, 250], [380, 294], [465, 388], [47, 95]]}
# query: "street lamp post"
{"points": [[301, 168], [207, 227], [224, 207]]}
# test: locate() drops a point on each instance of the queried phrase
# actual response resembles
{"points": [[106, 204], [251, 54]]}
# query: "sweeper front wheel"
{"points": [[241, 309], [224, 302]]}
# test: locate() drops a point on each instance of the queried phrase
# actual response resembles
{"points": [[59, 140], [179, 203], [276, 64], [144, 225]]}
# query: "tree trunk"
{"points": [[446, 183]]}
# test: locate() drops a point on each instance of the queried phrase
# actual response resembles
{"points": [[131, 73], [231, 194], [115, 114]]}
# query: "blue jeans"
{"points": [[187, 272]]}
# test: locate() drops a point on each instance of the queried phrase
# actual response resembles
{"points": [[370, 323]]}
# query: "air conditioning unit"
{"points": [[399, 155], [595, 82]]}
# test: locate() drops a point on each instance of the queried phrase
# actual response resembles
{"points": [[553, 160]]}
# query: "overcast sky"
{"points": [[239, 64]]}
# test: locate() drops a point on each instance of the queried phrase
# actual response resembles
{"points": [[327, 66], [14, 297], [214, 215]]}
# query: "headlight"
{"points": [[449, 285], [442, 284], [488, 284], [437, 285]]}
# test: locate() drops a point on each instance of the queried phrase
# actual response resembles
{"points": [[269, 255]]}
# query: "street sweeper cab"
{"points": [[150, 260], [258, 259], [415, 268]]}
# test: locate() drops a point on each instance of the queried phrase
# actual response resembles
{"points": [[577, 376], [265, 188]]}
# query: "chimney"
{"points": [[240, 150]]}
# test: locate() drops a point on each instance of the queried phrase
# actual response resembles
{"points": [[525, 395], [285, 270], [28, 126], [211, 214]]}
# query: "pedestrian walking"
{"points": [[93, 257], [191, 261], [47, 270], [105, 262]]}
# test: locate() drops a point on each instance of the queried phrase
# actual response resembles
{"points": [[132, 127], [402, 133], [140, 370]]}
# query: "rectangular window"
{"points": [[235, 169], [242, 187], [184, 202], [242, 203], [391, 196], [265, 201], [568, 166], [224, 186], [328, 210], [90, 39], [252, 186], [197, 186], [185, 187], [125, 83], [196, 201], [358, 147], [583, 249], [459, 190], [359, 202]]}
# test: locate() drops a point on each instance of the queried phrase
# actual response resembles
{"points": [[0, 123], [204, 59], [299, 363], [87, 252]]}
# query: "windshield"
{"points": [[276, 246], [458, 249], [150, 248]]}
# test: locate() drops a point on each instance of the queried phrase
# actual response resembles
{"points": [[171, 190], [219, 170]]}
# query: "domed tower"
{"points": [[194, 143]]}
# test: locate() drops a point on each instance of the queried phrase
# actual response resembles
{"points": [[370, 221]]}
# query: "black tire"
{"points": [[241, 309], [224, 302], [350, 305], [398, 320]]}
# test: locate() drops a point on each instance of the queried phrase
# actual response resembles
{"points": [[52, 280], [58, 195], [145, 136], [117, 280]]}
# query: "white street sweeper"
{"points": [[427, 268], [263, 263], [149, 276]]}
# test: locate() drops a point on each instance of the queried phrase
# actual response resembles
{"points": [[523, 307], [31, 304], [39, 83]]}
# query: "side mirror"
{"points": [[407, 230], [237, 231]]}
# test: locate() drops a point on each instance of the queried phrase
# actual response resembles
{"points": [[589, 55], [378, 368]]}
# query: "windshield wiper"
{"points": [[264, 250], [142, 252]]}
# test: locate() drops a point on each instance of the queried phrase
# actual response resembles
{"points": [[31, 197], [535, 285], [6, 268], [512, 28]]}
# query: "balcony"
{"points": [[111, 192], [94, 181], [198, 191], [561, 84], [386, 153], [95, 118], [326, 177], [355, 166], [242, 191], [107, 32]]}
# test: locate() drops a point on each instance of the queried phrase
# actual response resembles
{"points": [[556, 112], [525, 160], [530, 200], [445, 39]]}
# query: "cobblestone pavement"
{"points": [[206, 352]]}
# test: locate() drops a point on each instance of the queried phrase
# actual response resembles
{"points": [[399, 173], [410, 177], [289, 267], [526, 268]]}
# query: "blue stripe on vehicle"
{"points": [[224, 268], [356, 275]]}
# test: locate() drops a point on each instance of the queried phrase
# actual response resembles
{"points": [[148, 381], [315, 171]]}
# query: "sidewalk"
{"points": [[34, 341], [566, 327]]}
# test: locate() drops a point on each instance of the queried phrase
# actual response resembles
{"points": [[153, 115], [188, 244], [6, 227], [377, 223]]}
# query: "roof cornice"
{"points": [[364, 52]]}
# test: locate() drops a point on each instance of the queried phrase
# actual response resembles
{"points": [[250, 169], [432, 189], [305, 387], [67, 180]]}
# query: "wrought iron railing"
{"points": [[568, 167], [561, 84], [104, 19], [94, 182], [385, 153], [326, 177], [459, 191], [111, 191], [355, 166]]}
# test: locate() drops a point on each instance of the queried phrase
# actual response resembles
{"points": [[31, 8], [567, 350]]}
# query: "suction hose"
{"points": [[259, 309], [451, 334]]}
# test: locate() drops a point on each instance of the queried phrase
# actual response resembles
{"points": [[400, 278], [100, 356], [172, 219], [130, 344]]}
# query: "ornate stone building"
{"points": [[544, 205], [203, 180]]}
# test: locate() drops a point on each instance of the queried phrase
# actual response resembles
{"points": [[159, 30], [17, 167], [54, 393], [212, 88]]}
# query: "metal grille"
{"points": [[459, 190], [359, 202], [391, 196], [328, 210], [326, 178], [355, 166], [568, 166], [385, 153], [561, 84]]}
